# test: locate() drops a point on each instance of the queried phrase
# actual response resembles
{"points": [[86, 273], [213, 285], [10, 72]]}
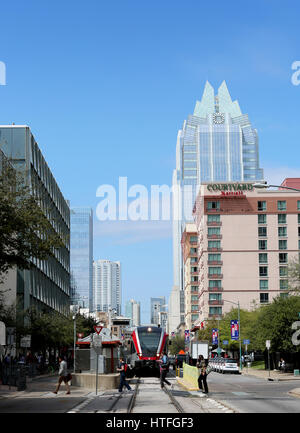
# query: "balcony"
{"points": [[215, 262], [216, 302], [215, 250], [215, 289], [214, 236], [215, 276], [214, 223]]}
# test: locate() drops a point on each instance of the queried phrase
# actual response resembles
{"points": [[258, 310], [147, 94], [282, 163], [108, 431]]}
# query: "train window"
{"points": [[149, 342]]}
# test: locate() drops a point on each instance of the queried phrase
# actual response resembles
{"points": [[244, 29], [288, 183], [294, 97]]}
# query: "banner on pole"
{"points": [[215, 335], [234, 325], [187, 335]]}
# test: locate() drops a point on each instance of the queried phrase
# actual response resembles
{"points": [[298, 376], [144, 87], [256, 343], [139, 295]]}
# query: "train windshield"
{"points": [[149, 340]]}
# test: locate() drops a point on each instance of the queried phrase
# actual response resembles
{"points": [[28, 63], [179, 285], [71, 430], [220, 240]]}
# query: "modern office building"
{"points": [[157, 305], [107, 286], [133, 310], [81, 257], [189, 245], [246, 238], [217, 143], [46, 285]]}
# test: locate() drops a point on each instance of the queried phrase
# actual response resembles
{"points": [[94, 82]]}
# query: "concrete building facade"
{"points": [[246, 238]]}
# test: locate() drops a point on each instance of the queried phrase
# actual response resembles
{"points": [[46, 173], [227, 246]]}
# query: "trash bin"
{"points": [[249, 364], [296, 372], [21, 378]]}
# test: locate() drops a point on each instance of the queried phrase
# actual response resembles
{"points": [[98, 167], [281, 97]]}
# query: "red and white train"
{"points": [[147, 345]]}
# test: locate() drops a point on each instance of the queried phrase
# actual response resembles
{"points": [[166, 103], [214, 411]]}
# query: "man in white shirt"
{"points": [[62, 375]]}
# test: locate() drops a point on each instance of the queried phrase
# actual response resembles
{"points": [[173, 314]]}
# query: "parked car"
{"points": [[230, 365]]}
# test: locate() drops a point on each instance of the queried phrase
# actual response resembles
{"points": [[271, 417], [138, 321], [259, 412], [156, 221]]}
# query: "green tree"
{"points": [[294, 276], [274, 322], [177, 344], [25, 231]]}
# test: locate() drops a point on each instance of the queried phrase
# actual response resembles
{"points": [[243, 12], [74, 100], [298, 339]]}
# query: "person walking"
{"points": [[123, 381], [63, 375], [163, 369], [202, 374]]}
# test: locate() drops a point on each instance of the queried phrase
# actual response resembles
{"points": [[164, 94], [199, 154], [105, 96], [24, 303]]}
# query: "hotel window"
{"points": [[213, 205], [194, 279], [298, 231], [263, 271], [283, 271], [282, 231], [214, 271], [214, 257], [213, 218], [213, 231], [281, 205], [299, 248], [284, 295], [193, 251], [194, 259], [262, 244], [214, 244], [263, 258], [298, 218], [262, 231], [263, 284], [194, 308], [282, 218], [283, 257], [214, 283], [261, 205], [298, 204], [262, 218], [195, 317], [264, 298], [194, 298], [284, 285], [215, 311], [282, 244], [194, 269], [193, 239], [194, 288], [215, 297]]}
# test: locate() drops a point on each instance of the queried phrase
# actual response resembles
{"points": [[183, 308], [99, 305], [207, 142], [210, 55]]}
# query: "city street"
{"points": [[250, 394], [238, 393]]}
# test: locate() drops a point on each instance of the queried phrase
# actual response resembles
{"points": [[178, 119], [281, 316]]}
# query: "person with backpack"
{"points": [[122, 369], [164, 368]]}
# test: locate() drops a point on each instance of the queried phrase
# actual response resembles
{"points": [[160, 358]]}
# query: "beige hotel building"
{"points": [[246, 238]]}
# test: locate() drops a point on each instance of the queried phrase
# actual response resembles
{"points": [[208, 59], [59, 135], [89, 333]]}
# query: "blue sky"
{"points": [[105, 86]]}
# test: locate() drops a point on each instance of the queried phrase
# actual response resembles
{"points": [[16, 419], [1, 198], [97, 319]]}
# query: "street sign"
{"points": [[268, 344], [225, 342], [98, 328], [246, 341], [97, 343], [25, 341]]}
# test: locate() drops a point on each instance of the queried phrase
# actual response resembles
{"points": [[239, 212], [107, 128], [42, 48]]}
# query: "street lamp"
{"points": [[75, 311], [240, 341], [265, 185]]}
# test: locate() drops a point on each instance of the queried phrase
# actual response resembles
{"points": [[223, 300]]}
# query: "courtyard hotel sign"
{"points": [[230, 188]]}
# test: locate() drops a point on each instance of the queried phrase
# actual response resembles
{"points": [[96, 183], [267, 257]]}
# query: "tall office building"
{"points": [[157, 305], [46, 285], [217, 143], [133, 310], [81, 257], [107, 285]]}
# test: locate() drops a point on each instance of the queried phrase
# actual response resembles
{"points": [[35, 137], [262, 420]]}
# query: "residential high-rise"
{"points": [[46, 286], [81, 257], [133, 310], [216, 143], [157, 305], [107, 285]]}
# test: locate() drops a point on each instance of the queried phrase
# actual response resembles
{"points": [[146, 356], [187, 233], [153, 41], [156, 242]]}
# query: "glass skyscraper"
{"points": [[217, 143], [81, 257]]}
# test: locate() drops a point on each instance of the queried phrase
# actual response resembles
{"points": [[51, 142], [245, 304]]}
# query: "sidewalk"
{"points": [[273, 375]]}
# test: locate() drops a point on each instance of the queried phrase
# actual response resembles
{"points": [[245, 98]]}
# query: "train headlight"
{"points": [[149, 329]]}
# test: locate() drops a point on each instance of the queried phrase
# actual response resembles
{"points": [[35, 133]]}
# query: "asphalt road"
{"points": [[249, 394]]}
